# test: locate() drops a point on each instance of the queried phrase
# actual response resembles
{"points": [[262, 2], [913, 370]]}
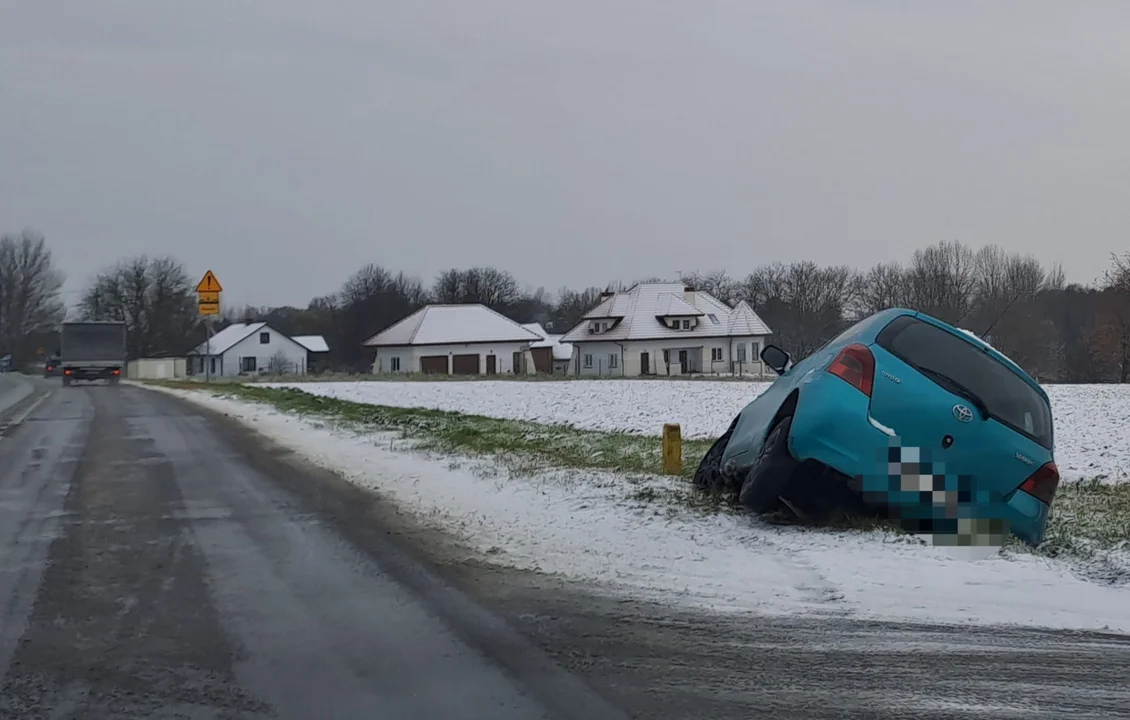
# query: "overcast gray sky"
{"points": [[284, 144]]}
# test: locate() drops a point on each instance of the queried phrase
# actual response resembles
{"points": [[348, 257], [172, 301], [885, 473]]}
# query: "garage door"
{"points": [[434, 364], [465, 364]]}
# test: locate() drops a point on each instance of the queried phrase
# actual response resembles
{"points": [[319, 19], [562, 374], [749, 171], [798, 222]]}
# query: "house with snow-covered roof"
{"points": [[466, 339], [667, 329], [548, 355], [253, 348]]}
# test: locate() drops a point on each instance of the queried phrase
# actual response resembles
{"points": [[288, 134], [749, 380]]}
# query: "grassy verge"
{"points": [[419, 377], [1090, 521], [531, 444]]}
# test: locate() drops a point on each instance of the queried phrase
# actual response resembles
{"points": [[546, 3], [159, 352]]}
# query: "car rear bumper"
{"points": [[833, 426]]}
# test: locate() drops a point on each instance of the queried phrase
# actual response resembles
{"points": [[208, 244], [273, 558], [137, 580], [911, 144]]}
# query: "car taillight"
{"points": [[856, 366], [66, 372], [1042, 484], [50, 368], [117, 372]]}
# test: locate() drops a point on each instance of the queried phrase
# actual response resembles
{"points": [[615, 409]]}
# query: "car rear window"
{"points": [[1008, 397]]}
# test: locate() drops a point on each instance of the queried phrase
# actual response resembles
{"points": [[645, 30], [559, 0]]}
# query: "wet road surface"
{"points": [[152, 569], [159, 561]]}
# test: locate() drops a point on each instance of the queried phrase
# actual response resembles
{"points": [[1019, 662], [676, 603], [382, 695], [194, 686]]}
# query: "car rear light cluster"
{"points": [[66, 372], [1043, 483], [117, 372], [855, 365]]}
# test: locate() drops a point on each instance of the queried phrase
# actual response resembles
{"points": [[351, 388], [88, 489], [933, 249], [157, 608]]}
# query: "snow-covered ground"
{"points": [[586, 526], [1089, 419]]}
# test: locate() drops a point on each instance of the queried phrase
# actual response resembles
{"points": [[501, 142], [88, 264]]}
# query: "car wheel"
{"points": [[708, 476], [771, 472]]}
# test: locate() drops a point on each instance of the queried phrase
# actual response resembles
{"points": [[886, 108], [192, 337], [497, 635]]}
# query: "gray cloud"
{"points": [[283, 144]]}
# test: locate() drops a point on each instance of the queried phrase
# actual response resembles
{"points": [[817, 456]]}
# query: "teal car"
{"points": [[905, 413]]}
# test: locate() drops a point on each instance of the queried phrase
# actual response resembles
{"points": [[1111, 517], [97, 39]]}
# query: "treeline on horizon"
{"points": [[1058, 331]]}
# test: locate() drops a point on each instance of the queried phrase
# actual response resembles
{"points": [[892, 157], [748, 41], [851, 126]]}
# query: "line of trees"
{"points": [[1060, 332]]}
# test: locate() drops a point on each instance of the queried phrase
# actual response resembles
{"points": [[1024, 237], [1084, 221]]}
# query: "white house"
{"points": [[249, 349], [667, 329], [452, 340], [549, 355]]}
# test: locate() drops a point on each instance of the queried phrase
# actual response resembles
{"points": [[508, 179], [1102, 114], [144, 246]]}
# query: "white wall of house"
{"points": [[253, 346], [406, 359], [156, 368], [723, 356]]}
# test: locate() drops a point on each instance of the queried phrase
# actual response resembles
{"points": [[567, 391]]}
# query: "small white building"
{"points": [[452, 340], [156, 368], [548, 355], [668, 329], [249, 349]]}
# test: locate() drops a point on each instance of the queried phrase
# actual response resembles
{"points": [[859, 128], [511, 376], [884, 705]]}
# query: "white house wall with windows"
{"points": [[452, 340], [249, 349], [668, 329]]}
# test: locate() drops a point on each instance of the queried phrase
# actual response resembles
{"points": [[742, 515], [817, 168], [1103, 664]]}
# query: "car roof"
{"points": [[974, 340]]}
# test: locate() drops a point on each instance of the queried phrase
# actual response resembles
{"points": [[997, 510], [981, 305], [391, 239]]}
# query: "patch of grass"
{"points": [[510, 440]]}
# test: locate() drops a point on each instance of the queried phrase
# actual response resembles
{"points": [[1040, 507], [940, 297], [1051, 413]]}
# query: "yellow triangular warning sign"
{"points": [[209, 284]]}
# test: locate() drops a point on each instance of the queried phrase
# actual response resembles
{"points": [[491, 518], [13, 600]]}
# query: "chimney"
{"points": [[688, 293], [606, 294]]}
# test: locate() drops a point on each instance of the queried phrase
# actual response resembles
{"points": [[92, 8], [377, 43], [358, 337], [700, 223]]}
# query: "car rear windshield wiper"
{"points": [[957, 388]]}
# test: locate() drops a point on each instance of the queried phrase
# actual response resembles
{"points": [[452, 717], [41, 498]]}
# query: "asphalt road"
{"points": [[157, 561]]}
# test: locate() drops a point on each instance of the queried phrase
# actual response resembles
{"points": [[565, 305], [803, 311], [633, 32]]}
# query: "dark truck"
{"points": [[92, 351]]}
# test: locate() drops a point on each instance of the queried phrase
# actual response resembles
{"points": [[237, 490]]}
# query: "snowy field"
{"points": [[585, 526], [1090, 420]]}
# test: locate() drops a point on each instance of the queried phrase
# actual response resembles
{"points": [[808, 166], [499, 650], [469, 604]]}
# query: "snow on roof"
{"points": [[313, 343], [561, 351], [537, 329], [640, 307], [227, 338], [452, 325]]}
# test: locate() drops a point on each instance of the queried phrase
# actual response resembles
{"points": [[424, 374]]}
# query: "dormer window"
{"points": [[599, 326], [686, 324]]}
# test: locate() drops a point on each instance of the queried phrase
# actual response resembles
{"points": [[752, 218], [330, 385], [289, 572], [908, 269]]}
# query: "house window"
{"points": [[686, 324], [247, 364], [613, 360], [713, 318], [756, 349], [741, 352], [264, 338], [603, 326], [394, 364], [666, 356], [588, 361], [715, 354]]}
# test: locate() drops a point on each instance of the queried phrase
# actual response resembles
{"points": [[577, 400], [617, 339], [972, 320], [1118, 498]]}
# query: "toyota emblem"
{"points": [[962, 413]]}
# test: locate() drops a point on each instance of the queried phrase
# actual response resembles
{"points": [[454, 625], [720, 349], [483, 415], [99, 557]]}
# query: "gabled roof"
{"points": [[669, 305], [561, 351], [639, 311], [537, 329], [227, 338], [452, 325], [313, 343]]}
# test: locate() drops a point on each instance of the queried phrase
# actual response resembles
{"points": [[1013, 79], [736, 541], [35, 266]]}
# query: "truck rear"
{"points": [[92, 351]]}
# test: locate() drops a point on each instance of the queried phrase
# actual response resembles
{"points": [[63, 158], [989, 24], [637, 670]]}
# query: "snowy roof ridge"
{"points": [[227, 338], [639, 308], [313, 343], [452, 324]]}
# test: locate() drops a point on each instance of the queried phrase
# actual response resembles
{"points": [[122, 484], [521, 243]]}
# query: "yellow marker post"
{"points": [[672, 449]]}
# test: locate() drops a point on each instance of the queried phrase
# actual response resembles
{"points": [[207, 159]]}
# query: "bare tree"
{"points": [[30, 293], [883, 286], [154, 297], [497, 289], [942, 280]]}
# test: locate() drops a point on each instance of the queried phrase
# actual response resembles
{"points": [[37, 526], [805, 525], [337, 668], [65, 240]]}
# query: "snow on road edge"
{"points": [[586, 526]]}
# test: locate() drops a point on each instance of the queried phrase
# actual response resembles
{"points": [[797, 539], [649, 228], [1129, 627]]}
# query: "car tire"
{"points": [[708, 477], [771, 472]]}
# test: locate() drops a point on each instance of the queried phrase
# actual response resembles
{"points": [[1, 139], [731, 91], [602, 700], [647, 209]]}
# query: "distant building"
{"points": [[667, 329], [253, 349], [549, 355], [452, 340]]}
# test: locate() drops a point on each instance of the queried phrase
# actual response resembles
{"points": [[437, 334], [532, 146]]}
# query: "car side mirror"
{"points": [[775, 358]]}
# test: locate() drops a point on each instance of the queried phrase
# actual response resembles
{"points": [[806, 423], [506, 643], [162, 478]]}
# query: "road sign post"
{"points": [[208, 304]]}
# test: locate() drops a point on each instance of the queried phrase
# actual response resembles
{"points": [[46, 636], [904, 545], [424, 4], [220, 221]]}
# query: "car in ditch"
{"points": [[905, 413]]}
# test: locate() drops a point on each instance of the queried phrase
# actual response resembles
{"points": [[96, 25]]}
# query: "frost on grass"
{"points": [[1088, 529]]}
